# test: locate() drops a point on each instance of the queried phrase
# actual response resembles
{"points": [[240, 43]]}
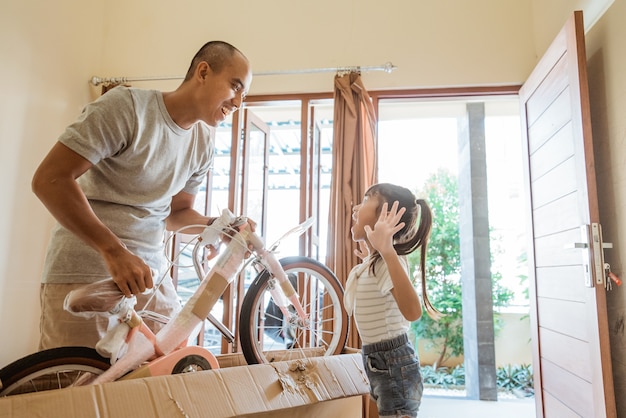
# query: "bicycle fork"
{"points": [[287, 292]]}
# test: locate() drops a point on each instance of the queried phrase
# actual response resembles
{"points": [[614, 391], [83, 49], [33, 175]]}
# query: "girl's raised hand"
{"points": [[388, 223]]}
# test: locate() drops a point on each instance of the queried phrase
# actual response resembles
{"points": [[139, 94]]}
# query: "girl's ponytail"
{"points": [[422, 235]]}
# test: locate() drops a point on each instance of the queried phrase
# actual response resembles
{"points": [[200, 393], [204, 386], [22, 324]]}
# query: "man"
{"points": [[125, 171]]}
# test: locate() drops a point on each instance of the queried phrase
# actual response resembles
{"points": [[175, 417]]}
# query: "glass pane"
{"points": [[283, 188], [255, 170], [220, 175], [324, 121]]}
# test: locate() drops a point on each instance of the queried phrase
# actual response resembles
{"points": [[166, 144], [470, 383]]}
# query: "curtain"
{"points": [[109, 86], [354, 170]]}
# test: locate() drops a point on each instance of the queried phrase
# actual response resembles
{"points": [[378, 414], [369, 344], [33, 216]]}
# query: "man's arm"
{"points": [[183, 214], [54, 183]]}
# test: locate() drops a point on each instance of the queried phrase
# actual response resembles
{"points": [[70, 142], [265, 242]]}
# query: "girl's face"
{"points": [[364, 214]]}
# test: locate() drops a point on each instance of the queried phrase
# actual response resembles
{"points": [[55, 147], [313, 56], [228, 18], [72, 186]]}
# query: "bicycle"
{"points": [[311, 312]]}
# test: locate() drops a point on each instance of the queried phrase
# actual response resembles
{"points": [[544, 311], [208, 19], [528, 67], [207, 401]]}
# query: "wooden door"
{"points": [[571, 356]]}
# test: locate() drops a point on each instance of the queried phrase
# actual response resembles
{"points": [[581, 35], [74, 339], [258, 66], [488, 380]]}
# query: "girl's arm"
{"points": [[403, 291], [381, 239]]}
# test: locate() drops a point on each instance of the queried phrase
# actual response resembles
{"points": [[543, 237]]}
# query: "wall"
{"points": [[438, 43], [512, 344], [549, 17], [46, 51], [49, 51], [606, 64]]}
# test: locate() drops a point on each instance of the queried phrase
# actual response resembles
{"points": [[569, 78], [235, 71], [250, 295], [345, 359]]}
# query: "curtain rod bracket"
{"points": [[389, 67], [96, 81]]}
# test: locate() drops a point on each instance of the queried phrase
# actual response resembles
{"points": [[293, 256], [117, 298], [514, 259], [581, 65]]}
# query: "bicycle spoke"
{"points": [[322, 332], [56, 368]]}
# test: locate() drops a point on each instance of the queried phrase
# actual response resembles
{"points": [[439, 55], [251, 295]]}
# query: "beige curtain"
{"points": [[109, 86], [354, 170]]}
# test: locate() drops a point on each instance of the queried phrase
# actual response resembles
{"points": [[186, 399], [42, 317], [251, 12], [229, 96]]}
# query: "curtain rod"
{"points": [[388, 67]]}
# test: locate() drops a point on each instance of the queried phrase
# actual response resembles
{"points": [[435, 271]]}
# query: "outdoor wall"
{"points": [[512, 344]]}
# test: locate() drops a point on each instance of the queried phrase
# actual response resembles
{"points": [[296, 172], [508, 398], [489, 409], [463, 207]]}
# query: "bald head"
{"points": [[215, 53]]}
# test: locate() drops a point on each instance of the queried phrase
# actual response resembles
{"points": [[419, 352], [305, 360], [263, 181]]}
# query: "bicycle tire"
{"points": [[55, 368], [325, 332], [191, 364]]}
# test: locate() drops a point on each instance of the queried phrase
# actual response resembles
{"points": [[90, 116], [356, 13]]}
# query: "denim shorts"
{"points": [[395, 379]]}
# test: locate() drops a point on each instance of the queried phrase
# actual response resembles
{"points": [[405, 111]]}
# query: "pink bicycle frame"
{"points": [[167, 347]]}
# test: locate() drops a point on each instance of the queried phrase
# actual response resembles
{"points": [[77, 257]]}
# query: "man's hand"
{"points": [[252, 225], [131, 274]]}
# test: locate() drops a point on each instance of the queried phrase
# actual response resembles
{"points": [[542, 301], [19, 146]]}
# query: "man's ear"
{"points": [[203, 69]]}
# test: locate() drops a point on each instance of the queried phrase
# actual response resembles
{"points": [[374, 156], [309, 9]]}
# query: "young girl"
{"points": [[380, 295]]}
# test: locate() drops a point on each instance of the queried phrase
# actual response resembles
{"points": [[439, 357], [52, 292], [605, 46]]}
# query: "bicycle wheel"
{"points": [[190, 364], [55, 368], [267, 336]]}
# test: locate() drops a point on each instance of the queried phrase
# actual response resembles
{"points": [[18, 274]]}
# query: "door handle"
{"points": [[585, 245], [580, 245], [593, 253]]}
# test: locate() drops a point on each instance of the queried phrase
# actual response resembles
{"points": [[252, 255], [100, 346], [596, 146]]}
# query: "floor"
{"points": [[434, 406]]}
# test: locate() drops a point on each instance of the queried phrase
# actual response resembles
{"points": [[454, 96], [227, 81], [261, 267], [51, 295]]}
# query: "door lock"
{"points": [[593, 253]]}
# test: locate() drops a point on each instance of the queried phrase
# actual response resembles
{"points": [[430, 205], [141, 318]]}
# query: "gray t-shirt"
{"points": [[141, 159]]}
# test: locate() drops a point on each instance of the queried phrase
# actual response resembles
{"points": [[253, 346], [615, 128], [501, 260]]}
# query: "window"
{"points": [[287, 178]]}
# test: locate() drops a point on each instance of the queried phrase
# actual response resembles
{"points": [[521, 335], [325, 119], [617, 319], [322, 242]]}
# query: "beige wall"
{"points": [[606, 63], [435, 43], [46, 50], [549, 16], [49, 50]]}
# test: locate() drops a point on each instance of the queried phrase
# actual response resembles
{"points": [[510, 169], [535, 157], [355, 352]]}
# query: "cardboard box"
{"points": [[318, 387]]}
